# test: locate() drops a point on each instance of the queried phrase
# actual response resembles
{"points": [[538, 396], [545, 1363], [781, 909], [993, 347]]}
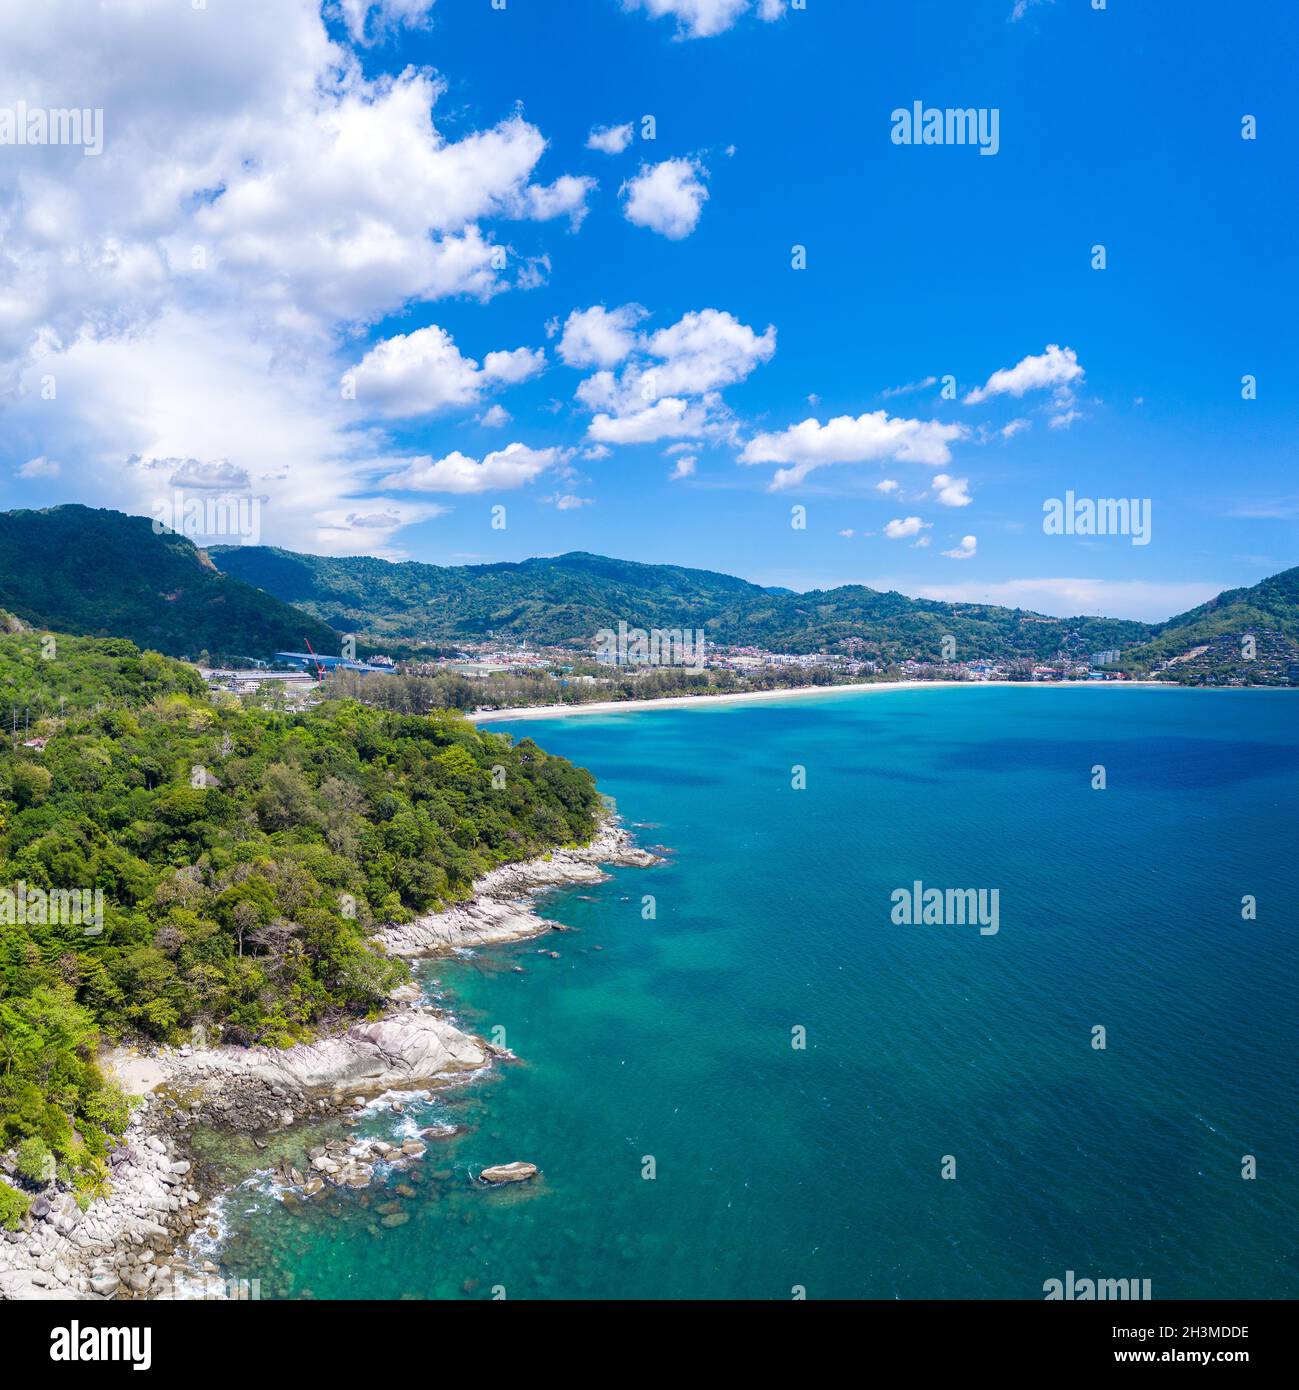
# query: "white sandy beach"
{"points": [[695, 701]]}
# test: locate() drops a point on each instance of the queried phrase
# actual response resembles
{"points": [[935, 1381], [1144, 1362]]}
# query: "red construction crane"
{"points": [[320, 670]]}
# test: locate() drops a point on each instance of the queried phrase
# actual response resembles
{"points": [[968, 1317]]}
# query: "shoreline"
{"points": [[524, 712], [500, 909], [133, 1242]]}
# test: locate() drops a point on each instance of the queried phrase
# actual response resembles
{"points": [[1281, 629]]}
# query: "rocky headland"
{"points": [[133, 1242], [501, 909]]}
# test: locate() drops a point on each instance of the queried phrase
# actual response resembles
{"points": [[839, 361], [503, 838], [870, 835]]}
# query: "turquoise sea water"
{"points": [[778, 1167]]}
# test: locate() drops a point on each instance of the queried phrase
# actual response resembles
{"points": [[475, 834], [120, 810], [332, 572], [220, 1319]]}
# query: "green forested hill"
{"points": [[551, 601], [101, 573], [1270, 605], [898, 627], [243, 854], [570, 598], [1268, 612], [42, 674], [104, 573]]}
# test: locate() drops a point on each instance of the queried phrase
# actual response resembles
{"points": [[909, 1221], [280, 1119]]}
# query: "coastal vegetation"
{"points": [[410, 692], [244, 855]]}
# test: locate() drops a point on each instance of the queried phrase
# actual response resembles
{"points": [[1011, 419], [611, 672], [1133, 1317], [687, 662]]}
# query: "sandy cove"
{"points": [[525, 712], [128, 1244]]}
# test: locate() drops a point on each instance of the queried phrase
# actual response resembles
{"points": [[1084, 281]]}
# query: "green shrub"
{"points": [[35, 1162], [13, 1207], [91, 1182]]}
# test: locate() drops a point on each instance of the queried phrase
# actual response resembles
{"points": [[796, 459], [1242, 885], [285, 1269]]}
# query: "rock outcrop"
{"points": [[264, 1087], [508, 1172], [128, 1244], [120, 1246], [501, 910]]}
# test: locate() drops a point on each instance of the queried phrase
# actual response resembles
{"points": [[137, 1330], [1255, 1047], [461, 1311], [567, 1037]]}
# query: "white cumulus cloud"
{"points": [[703, 352], [702, 19], [600, 337], [1056, 367], [423, 372], [498, 471], [512, 367], [876, 435], [952, 492], [669, 418], [609, 139], [667, 198], [262, 195], [901, 527], [686, 363], [369, 20]]}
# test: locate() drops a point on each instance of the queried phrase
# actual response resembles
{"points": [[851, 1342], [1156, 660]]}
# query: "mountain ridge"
{"points": [[101, 573], [566, 599], [95, 572]]}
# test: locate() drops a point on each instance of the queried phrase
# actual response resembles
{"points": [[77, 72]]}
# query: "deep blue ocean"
{"points": [[664, 1044]]}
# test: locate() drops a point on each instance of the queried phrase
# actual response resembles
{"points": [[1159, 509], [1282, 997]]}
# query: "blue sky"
{"points": [[278, 279]]}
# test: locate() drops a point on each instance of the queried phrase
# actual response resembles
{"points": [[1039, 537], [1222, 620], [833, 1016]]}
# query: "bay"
{"points": [[689, 1148]]}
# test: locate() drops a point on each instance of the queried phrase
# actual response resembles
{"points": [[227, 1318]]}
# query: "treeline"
{"points": [[244, 856], [415, 693], [44, 673]]}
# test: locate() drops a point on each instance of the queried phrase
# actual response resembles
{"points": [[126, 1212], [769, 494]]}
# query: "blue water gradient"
{"points": [[778, 1168]]}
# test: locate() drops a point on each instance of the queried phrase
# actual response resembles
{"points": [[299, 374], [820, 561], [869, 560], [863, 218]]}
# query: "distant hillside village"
{"points": [[274, 625], [497, 674]]}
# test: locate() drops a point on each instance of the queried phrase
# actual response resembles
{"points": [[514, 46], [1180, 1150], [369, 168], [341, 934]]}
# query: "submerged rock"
{"points": [[508, 1172]]}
